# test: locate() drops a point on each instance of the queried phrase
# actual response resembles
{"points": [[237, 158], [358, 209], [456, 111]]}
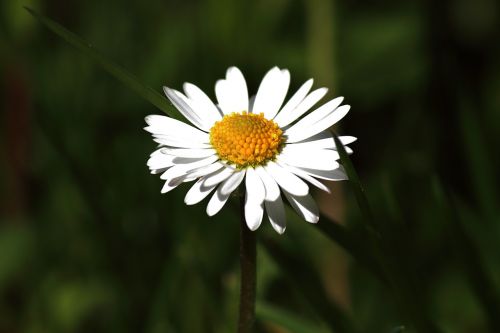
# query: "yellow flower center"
{"points": [[246, 139]]}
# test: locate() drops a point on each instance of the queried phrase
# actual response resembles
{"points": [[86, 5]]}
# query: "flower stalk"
{"points": [[248, 260]]}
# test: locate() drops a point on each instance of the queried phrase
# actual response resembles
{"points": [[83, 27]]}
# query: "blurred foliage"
{"points": [[88, 244]]}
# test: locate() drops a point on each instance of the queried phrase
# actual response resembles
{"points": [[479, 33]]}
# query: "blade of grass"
{"points": [[301, 275], [480, 281], [287, 320], [469, 256], [118, 72], [359, 191], [352, 244], [400, 275]]}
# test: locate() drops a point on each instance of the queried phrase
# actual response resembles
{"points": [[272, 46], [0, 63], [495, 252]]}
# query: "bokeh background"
{"points": [[88, 244]]}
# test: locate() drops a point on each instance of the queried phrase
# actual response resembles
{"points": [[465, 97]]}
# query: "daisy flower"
{"points": [[273, 148]]}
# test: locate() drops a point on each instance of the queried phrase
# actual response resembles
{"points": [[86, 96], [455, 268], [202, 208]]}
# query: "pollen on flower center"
{"points": [[246, 139]]}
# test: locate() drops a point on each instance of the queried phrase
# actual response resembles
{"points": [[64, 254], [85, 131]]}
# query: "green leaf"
{"points": [[112, 68], [287, 320], [359, 191]]}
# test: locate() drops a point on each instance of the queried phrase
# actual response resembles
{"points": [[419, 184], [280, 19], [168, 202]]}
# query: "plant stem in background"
{"points": [[321, 50], [248, 259]]}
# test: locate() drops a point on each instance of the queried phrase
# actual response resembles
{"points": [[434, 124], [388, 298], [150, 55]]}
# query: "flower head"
{"points": [[273, 147]]}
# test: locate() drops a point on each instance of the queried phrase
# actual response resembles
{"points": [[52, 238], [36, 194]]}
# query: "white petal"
{"points": [[346, 140], [348, 150], [174, 141], [219, 176], [217, 202], [190, 153], [157, 152], [272, 92], [191, 163], [321, 159], [184, 105], [232, 182], [255, 188], [320, 112], [304, 175], [223, 95], [287, 180], [304, 206], [272, 189], [276, 214], [206, 170], [324, 140], [159, 160], [158, 171], [198, 192], [185, 166], [255, 194], [188, 178], [202, 104], [294, 101], [238, 86], [299, 132], [167, 188], [232, 93], [170, 185], [303, 107], [162, 125], [333, 175], [174, 172]]}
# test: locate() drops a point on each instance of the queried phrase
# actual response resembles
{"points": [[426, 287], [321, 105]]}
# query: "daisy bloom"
{"points": [[273, 148]]}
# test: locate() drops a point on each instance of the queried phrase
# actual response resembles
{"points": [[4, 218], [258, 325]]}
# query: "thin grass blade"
{"points": [[470, 258], [118, 72], [353, 244], [359, 191]]}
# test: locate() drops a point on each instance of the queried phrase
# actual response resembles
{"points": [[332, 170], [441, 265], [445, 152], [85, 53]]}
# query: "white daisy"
{"points": [[257, 140]]}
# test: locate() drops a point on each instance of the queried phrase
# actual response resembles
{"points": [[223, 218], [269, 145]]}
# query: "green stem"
{"points": [[248, 259]]}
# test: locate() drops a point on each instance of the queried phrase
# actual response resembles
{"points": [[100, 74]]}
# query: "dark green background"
{"points": [[88, 244]]}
